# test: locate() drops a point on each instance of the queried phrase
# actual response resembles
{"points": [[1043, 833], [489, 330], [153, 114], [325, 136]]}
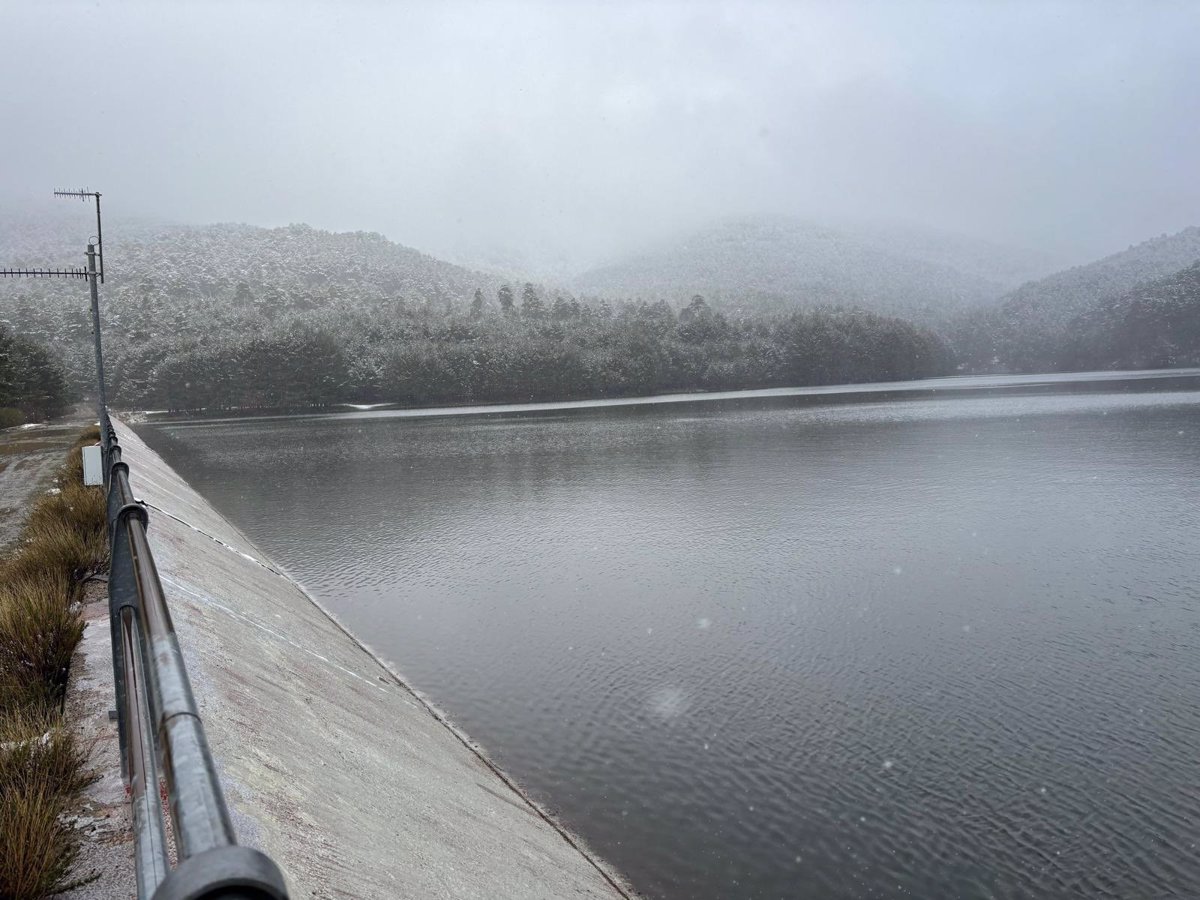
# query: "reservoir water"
{"points": [[890, 643]]}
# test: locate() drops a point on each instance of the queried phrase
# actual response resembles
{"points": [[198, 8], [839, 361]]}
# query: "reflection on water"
{"points": [[933, 647]]}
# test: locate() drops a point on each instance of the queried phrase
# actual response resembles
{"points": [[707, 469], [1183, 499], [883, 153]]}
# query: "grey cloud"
{"points": [[575, 131]]}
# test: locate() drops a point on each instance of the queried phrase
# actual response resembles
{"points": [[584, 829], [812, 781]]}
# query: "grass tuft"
{"points": [[38, 753], [89, 435], [39, 631], [37, 853], [57, 547]]}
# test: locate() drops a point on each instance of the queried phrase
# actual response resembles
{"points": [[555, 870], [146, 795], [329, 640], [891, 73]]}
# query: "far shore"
{"points": [[947, 383]]}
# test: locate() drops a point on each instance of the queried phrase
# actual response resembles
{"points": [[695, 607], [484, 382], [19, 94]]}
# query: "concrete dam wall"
{"points": [[353, 784]]}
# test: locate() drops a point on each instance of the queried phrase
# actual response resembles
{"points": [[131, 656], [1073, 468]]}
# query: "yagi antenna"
{"points": [[84, 194], [93, 276], [44, 273]]}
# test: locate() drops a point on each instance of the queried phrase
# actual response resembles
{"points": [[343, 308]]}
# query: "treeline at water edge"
{"points": [[526, 350]]}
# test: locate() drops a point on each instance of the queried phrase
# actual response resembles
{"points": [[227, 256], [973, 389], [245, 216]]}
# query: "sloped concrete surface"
{"points": [[332, 766]]}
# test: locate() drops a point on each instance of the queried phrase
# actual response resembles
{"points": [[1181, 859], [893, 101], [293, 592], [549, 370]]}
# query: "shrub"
{"points": [[10, 417]]}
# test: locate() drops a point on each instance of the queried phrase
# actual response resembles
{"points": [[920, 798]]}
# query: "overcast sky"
{"points": [[585, 129]]}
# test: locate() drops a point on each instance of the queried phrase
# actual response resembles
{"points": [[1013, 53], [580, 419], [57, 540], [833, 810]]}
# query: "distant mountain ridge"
{"points": [[1063, 295], [289, 259], [785, 262]]}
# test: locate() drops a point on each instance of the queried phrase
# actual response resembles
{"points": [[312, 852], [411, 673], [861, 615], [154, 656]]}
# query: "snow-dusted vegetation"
{"points": [[231, 316], [234, 316], [1100, 315], [32, 384]]}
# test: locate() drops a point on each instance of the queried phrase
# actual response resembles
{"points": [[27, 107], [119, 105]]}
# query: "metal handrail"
{"points": [[158, 722]]}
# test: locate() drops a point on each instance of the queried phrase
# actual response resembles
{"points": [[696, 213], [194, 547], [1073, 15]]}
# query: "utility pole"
{"points": [[101, 399], [92, 274], [95, 251]]}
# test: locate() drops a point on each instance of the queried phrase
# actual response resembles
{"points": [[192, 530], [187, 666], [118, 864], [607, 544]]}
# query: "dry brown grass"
{"points": [[38, 751], [89, 435], [41, 773], [37, 853], [41, 768], [66, 531], [39, 631], [72, 470]]}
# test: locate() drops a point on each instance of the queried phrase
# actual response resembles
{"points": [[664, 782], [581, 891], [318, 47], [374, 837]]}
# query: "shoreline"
{"points": [[946, 383]]}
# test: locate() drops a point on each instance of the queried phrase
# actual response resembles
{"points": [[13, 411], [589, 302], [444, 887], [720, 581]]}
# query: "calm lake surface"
{"points": [[929, 644]]}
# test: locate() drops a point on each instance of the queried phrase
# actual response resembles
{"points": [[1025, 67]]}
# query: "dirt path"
{"points": [[29, 456]]}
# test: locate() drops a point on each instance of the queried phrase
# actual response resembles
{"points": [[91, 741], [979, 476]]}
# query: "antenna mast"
{"points": [[94, 253], [83, 194]]}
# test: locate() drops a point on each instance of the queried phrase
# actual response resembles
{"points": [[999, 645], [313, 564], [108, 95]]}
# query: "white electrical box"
{"points": [[93, 467]]}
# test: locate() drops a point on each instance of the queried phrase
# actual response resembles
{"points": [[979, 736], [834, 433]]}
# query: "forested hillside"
{"points": [[1155, 325], [233, 316], [169, 284], [782, 263], [530, 352], [1038, 326], [32, 384]]}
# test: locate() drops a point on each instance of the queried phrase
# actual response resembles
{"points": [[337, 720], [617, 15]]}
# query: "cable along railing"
{"points": [[161, 734]]}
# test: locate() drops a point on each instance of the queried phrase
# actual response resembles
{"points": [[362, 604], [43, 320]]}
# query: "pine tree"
{"points": [[505, 296], [532, 306]]}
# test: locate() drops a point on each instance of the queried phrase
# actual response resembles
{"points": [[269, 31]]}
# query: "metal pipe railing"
{"points": [[151, 862], [158, 722]]}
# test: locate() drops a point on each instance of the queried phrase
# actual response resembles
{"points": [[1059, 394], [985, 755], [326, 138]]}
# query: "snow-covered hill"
{"points": [[171, 281], [1029, 328], [784, 262]]}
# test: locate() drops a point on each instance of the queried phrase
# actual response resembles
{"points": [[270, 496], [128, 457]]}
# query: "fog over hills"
{"points": [[1063, 295], [782, 262], [172, 287]]}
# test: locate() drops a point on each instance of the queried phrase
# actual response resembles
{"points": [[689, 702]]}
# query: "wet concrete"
{"points": [[352, 783]]}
